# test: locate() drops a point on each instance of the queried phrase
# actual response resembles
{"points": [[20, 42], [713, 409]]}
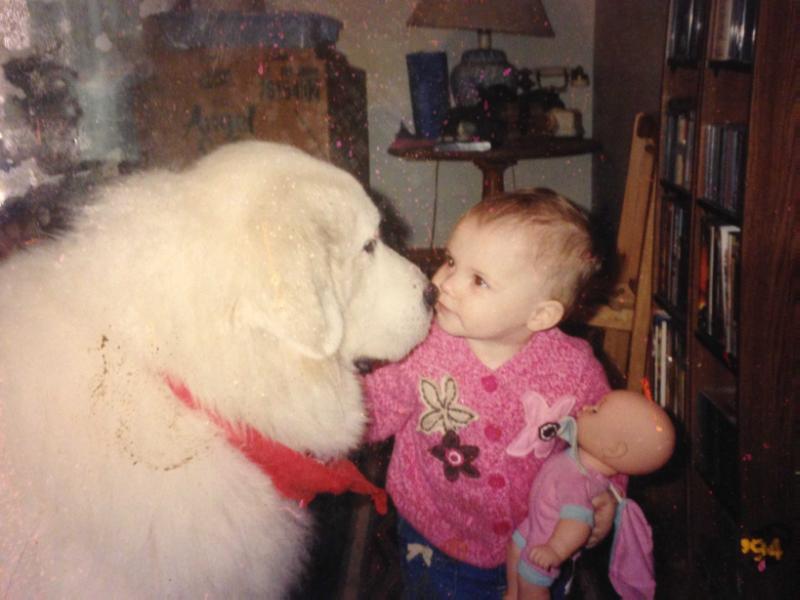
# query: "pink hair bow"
{"points": [[539, 434]]}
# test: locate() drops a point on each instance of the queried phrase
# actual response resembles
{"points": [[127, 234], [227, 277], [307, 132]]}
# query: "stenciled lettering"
{"points": [[226, 126], [303, 85]]}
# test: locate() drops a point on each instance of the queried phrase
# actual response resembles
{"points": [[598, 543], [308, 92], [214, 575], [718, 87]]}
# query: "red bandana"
{"points": [[295, 475]]}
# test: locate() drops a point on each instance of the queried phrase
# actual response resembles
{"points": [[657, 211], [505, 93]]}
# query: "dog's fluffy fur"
{"points": [[254, 278]]}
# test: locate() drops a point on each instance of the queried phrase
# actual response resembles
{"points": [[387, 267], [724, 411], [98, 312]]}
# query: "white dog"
{"points": [[233, 297]]}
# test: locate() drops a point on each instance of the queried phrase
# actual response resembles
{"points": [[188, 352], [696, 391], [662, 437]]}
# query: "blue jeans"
{"points": [[446, 578]]}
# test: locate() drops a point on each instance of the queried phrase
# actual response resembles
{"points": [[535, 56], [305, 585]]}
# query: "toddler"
{"points": [[494, 360], [624, 433]]}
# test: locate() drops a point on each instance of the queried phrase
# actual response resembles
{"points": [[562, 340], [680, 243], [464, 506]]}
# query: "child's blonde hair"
{"points": [[564, 249]]}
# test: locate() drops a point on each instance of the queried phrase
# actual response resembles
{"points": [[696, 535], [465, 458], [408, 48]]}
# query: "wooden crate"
{"points": [[199, 98]]}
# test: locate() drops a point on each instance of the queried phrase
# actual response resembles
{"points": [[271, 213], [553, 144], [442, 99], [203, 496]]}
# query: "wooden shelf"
{"points": [[740, 407], [723, 213], [731, 65], [682, 63], [681, 193], [717, 350], [671, 310]]}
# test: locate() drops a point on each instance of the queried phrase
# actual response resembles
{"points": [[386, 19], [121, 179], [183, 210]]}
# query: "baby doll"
{"points": [[624, 433]]}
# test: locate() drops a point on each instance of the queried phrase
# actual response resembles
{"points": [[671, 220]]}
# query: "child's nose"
{"points": [[445, 284], [440, 276]]}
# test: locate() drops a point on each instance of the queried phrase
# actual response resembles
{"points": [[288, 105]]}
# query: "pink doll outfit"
{"points": [[564, 490], [452, 417]]}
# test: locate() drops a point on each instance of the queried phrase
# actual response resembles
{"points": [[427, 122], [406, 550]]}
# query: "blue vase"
{"points": [[430, 95]]}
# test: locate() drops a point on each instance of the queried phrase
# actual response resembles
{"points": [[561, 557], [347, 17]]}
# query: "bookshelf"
{"points": [[724, 334]]}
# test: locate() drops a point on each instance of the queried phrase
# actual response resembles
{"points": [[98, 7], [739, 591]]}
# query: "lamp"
{"points": [[484, 66]]}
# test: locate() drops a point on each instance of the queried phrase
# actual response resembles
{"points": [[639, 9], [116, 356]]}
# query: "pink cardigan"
{"points": [[453, 417]]}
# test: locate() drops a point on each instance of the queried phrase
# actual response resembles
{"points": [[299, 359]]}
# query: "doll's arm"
{"points": [[605, 506], [568, 537]]}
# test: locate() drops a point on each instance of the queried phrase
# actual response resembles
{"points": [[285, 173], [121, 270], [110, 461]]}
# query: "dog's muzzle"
{"points": [[430, 295], [365, 365]]}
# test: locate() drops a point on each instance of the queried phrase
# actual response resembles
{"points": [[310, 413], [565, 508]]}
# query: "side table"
{"points": [[494, 162]]}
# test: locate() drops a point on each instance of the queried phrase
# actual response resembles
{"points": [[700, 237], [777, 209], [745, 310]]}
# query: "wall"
{"points": [[629, 47], [375, 38]]}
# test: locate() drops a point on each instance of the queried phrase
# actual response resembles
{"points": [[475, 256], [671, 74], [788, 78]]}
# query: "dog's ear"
{"points": [[296, 300]]}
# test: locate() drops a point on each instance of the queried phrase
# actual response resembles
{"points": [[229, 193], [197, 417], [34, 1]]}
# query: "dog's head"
{"points": [[325, 283]]}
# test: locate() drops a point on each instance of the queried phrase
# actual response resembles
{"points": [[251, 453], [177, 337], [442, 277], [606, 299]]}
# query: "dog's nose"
{"points": [[430, 295]]}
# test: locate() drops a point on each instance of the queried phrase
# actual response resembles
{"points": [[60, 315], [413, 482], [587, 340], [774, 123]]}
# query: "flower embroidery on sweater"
{"points": [[457, 459], [444, 412], [446, 415]]}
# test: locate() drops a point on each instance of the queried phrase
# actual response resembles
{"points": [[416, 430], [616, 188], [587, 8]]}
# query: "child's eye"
{"points": [[479, 281], [448, 260]]}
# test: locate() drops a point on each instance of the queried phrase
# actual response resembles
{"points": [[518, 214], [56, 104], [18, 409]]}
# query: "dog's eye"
{"points": [[369, 247]]}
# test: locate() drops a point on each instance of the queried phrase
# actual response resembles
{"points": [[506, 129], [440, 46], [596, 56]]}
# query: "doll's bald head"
{"points": [[627, 432]]}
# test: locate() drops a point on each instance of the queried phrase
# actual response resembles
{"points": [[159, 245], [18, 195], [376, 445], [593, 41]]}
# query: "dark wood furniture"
{"points": [[494, 162], [736, 399], [625, 317]]}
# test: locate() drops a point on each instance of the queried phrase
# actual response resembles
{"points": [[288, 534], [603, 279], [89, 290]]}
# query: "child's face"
{"points": [[489, 286]]}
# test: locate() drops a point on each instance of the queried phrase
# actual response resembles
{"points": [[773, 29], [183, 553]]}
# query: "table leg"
{"points": [[493, 171]]}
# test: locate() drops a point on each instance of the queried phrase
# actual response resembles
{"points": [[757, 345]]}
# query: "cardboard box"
{"points": [[199, 98]]}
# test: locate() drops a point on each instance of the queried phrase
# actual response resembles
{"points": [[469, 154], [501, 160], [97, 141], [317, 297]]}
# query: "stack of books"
{"points": [[679, 148], [668, 345], [724, 164], [733, 37], [718, 286]]}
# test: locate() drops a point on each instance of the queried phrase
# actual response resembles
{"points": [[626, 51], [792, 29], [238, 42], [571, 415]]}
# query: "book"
{"points": [[718, 275], [679, 147], [659, 344], [734, 31], [724, 164], [668, 353], [704, 277], [728, 252], [735, 157], [719, 48], [749, 32], [689, 162], [679, 258], [663, 249], [711, 162], [685, 29], [473, 146]]}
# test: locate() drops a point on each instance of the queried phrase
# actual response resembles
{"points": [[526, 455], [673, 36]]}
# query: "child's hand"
{"points": [[605, 505], [544, 556]]}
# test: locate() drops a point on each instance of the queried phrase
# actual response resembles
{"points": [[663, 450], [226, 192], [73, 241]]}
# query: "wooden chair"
{"points": [[626, 318]]}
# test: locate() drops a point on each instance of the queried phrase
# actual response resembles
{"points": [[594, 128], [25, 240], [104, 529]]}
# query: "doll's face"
{"points": [[627, 432]]}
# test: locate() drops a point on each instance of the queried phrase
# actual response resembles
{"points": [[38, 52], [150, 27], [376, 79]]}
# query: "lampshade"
{"points": [[525, 17]]}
